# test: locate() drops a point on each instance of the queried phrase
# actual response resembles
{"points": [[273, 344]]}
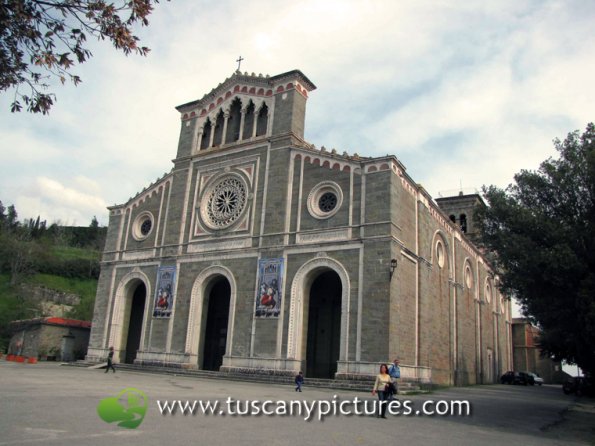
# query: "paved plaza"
{"points": [[51, 404]]}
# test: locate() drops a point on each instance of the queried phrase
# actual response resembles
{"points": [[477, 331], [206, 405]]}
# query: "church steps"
{"points": [[405, 386]]}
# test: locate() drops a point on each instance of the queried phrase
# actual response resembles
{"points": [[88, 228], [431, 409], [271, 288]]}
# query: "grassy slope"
{"points": [[85, 288]]}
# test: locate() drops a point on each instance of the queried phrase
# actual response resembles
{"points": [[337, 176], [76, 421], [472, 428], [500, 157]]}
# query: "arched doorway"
{"points": [[324, 326], [135, 323], [217, 317]]}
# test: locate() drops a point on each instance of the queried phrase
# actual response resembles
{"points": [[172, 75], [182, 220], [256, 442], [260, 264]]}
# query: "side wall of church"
{"points": [[440, 315]]}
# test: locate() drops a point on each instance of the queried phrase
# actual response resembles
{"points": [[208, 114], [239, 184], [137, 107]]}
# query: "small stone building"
{"points": [[50, 338], [527, 353], [260, 253]]}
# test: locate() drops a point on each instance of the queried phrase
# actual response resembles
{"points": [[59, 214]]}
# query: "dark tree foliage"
{"points": [[542, 229], [41, 40]]}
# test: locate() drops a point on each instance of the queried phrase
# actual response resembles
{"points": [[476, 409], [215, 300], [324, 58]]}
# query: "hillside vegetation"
{"points": [[59, 258]]}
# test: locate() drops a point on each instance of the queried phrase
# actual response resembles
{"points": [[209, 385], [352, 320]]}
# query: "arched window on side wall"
{"points": [[218, 129], [233, 122], [249, 122], [206, 135], [261, 124], [453, 218]]}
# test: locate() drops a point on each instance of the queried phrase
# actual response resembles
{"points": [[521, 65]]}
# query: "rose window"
{"points": [[225, 202], [145, 227], [142, 226], [327, 202], [324, 200]]}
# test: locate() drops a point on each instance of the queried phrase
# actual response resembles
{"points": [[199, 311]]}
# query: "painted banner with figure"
{"points": [[269, 289], [164, 291]]}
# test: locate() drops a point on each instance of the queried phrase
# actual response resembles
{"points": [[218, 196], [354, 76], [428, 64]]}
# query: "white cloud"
{"points": [[55, 201], [469, 92]]}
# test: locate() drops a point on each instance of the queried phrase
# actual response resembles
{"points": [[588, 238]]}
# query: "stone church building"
{"points": [[259, 253]]}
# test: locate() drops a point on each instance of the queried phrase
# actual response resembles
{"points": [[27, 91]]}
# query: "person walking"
{"points": [[395, 373], [110, 358], [299, 380], [382, 380]]}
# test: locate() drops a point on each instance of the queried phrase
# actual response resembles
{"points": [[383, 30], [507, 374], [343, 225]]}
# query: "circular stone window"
{"points": [[143, 226], [325, 199], [224, 201]]}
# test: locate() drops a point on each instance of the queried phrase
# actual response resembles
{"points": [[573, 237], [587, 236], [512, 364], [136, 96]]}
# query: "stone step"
{"points": [[405, 386]]}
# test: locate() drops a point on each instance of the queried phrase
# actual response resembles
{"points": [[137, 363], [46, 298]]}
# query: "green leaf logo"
{"points": [[128, 408]]}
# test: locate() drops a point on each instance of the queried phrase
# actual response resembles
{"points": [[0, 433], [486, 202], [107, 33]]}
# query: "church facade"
{"points": [[259, 253]]}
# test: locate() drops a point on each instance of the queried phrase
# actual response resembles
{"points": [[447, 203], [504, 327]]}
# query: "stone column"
{"points": [[198, 141], [242, 116], [266, 130], [212, 135], [254, 124], [224, 135]]}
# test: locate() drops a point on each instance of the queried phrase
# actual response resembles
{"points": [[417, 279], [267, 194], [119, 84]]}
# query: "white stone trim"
{"points": [[195, 329], [138, 222], [205, 211], [118, 332], [139, 254], [318, 191], [110, 304], [323, 236], [233, 243], [299, 288]]}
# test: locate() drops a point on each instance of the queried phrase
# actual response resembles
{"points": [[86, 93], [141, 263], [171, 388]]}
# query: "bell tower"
{"points": [[460, 210], [245, 108]]}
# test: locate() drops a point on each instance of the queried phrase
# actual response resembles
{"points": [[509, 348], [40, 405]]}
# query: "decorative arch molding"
{"points": [[195, 314], [441, 237], [333, 162], [300, 288], [118, 332], [488, 288], [469, 273], [156, 188], [225, 106]]}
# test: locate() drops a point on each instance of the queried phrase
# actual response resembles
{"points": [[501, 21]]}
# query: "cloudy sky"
{"points": [[463, 93]]}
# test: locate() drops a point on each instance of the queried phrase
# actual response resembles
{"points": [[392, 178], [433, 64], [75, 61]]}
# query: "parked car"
{"points": [[578, 385], [534, 378], [511, 377]]}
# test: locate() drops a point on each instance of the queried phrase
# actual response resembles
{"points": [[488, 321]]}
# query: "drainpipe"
{"points": [[417, 282], [454, 313]]}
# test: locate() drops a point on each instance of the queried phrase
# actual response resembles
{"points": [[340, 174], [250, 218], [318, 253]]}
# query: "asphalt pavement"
{"points": [[50, 404]]}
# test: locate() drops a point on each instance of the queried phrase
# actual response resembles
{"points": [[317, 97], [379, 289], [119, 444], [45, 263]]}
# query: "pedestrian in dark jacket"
{"points": [[110, 358], [299, 380]]}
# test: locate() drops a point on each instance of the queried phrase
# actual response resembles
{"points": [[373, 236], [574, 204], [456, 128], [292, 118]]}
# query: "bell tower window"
{"points": [[261, 124], [206, 135], [217, 137], [249, 122], [233, 122]]}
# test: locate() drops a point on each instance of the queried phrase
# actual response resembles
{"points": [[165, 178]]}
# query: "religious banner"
{"points": [[268, 291], [164, 291]]}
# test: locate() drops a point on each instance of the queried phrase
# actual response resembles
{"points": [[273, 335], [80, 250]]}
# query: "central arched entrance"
{"points": [[324, 326], [135, 322], [217, 316]]}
